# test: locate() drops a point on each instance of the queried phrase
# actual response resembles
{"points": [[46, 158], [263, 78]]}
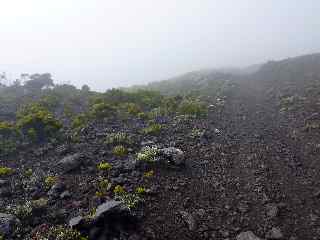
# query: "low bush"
{"points": [[192, 107], [37, 123], [102, 110], [148, 154], [118, 138], [120, 151], [153, 129], [130, 200]]}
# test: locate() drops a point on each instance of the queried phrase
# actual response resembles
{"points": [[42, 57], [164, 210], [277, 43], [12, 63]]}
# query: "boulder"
{"points": [[76, 222], [173, 155], [70, 163], [109, 207]]}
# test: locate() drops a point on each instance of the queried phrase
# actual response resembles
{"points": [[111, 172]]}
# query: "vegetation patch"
{"points": [[5, 171], [148, 154], [120, 151]]}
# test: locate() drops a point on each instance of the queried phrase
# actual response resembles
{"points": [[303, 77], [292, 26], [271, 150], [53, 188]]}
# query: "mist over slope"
{"points": [[296, 70]]}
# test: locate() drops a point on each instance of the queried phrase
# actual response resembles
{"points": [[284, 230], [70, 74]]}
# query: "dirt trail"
{"points": [[251, 176]]}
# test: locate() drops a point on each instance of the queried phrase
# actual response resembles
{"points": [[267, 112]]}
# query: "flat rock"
{"points": [[109, 207], [76, 221]]}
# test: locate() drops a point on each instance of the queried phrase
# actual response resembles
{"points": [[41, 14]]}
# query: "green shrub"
{"points": [[192, 107], [120, 151], [104, 166], [153, 129], [79, 121], [37, 123], [102, 110], [23, 211], [130, 200], [104, 185], [118, 138], [57, 233], [50, 181], [148, 154], [148, 174], [141, 190]]}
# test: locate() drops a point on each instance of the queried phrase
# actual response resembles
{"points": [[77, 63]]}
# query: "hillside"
{"points": [[145, 165]]}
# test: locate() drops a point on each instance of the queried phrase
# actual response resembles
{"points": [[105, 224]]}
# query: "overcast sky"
{"points": [[111, 43]]}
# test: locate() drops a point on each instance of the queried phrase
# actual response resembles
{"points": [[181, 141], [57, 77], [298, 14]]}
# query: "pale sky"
{"points": [[112, 43]]}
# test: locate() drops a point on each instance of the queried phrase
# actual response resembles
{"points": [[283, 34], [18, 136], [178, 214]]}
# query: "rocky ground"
{"points": [[250, 171]]}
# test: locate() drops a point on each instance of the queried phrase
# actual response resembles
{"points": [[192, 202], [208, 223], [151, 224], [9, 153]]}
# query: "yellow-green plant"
{"points": [[5, 171], [58, 233], [37, 123], [140, 190], [148, 174], [104, 166], [118, 138], [50, 181], [153, 129], [104, 185], [130, 200], [28, 172], [120, 151]]}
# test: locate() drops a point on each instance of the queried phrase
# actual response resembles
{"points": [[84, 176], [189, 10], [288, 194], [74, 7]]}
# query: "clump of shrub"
{"points": [[5, 171], [79, 121], [153, 129], [50, 181], [120, 151], [192, 107], [196, 132], [28, 172], [148, 154], [141, 190], [130, 200], [23, 211], [57, 233], [102, 110], [119, 138], [148, 174], [37, 123], [104, 185], [104, 166]]}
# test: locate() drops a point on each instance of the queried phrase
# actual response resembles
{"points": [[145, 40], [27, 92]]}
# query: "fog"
{"points": [[119, 43]]}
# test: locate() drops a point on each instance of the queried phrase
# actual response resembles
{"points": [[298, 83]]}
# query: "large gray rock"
{"points": [[70, 163], [8, 224], [109, 207], [247, 236], [76, 221], [173, 155]]}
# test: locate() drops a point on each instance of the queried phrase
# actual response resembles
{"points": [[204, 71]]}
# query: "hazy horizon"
{"points": [[109, 44]]}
